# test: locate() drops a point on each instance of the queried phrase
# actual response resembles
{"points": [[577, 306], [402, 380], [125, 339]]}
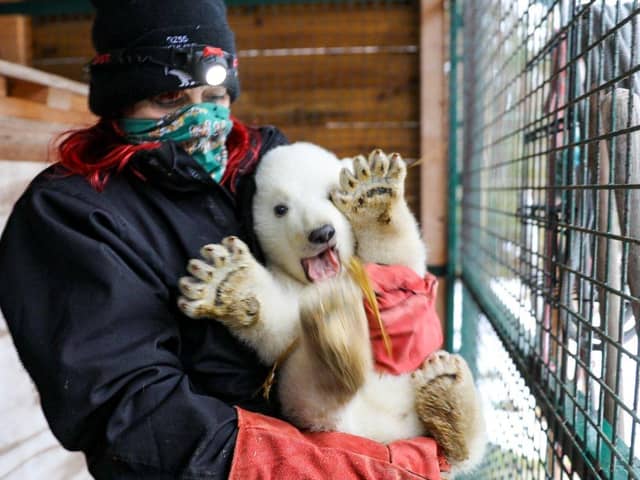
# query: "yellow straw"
{"points": [[359, 274]]}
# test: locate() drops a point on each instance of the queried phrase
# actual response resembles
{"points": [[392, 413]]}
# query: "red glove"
{"points": [[408, 311], [270, 449]]}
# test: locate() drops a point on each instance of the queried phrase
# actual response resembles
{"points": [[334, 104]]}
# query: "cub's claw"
{"points": [[439, 365], [372, 188], [219, 285]]}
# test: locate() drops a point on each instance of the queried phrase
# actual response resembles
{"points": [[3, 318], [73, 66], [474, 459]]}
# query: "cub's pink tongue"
{"points": [[320, 267]]}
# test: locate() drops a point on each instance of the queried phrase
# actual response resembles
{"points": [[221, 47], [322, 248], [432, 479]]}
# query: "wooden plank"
{"points": [[307, 73], [433, 143], [346, 142], [16, 144], [71, 71], [304, 72], [27, 90], [323, 105], [329, 25], [53, 97], [15, 38], [32, 75], [79, 103], [61, 99], [274, 26], [63, 37], [20, 108]]}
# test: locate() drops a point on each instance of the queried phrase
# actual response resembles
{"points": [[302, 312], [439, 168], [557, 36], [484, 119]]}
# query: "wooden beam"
{"points": [[52, 97], [4, 87], [305, 72], [291, 26], [63, 37], [381, 103], [26, 109], [350, 141], [28, 140], [295, 26], [15, 38], [433, 143], [32, 75]]}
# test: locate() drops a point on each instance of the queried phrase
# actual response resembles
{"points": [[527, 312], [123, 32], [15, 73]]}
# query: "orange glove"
{"points": [[271, 449]]}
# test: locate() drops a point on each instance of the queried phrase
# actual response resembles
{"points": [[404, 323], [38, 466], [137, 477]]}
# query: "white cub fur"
{"points": [[301, 179], [312, 213]]}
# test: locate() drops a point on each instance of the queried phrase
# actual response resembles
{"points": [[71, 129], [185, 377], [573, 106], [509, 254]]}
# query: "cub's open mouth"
{"points": [[324, 265]]}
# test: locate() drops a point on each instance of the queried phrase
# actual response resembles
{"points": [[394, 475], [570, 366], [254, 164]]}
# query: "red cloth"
{"points": [[407, 308], [270, 449]]}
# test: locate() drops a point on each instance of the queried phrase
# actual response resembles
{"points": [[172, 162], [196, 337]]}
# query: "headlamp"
{"points": [[211, 67], [205, 64]]}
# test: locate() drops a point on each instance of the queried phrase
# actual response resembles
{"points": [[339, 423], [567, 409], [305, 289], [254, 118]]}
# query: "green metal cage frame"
{"points": [[544, 160]]}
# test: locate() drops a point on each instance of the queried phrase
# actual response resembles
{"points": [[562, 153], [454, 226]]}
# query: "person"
{"points": [[93, 250]]}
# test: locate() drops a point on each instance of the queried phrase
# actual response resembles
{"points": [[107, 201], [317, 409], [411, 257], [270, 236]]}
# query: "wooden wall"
{"points": [[345, 76]]}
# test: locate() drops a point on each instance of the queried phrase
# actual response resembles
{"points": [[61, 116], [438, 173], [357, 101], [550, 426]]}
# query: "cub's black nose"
{"points": [[322, 234]]}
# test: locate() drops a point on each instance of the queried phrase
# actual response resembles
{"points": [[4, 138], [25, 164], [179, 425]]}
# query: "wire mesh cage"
{"points": [[548, 158]]}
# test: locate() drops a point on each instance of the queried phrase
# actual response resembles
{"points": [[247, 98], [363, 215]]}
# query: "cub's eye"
{"points": [[280, 210]]}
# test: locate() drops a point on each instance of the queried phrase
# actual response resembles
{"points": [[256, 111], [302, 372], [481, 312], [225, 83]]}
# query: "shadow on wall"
{"points": [[28, 450]]}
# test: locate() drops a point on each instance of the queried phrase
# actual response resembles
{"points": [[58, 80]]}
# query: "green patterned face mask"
{"points": [[201, 129]]}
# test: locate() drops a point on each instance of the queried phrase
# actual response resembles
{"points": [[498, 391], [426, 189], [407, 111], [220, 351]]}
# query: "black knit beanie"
{"points": [[123, 24]]}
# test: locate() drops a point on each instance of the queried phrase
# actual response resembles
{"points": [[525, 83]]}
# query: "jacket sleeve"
{"points": [[95, 328]]}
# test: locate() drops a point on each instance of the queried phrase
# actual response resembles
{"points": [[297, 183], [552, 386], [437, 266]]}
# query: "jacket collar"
{"points": [[170, 167]]}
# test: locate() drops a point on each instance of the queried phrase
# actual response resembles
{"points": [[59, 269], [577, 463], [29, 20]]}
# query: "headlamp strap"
{"points": [[166, 56]]}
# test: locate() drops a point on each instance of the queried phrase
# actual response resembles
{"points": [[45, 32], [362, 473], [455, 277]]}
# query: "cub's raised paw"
{"points": [[448, 406], [219, 285], [372, 189]]}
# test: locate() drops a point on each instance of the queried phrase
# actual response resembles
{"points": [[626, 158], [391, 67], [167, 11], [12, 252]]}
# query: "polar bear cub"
{"points": [[312, 213]]}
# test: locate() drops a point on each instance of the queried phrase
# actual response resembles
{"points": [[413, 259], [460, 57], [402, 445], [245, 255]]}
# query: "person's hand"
{"points": [[268, 448]]}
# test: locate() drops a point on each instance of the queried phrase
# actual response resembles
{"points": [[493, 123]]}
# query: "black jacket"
{"points": [[88, 288]]}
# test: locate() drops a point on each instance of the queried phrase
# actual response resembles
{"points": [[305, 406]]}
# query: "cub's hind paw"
{"points": [[372, 189], [439, 365], [447, 404], [219, 285]]}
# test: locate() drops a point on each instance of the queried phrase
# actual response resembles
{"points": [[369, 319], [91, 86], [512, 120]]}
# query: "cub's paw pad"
{"points": [[372, 187], [218, 285], [439, 365]]}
